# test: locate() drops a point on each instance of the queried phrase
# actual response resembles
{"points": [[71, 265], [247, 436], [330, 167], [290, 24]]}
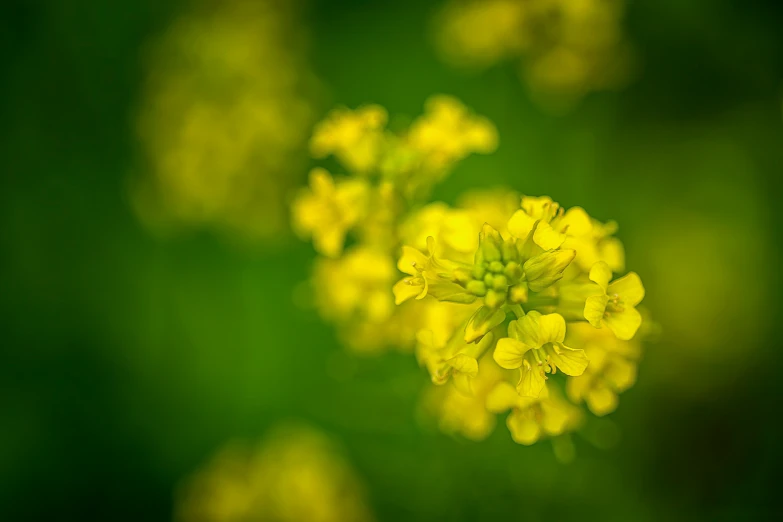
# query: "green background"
{"points": [[126, 360]]}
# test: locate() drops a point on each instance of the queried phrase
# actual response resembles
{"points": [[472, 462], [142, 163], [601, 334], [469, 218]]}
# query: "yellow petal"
{"points": [[601, 273], [552, 328], [621, 374], [412, 261], [523, 428], [528, 329], [404, 290], [531, 381], [503, 397], [464, 384], [321, 181], [576, 222], [540, 207], [509, 353], [601, 400], [595, 306], [547, 237], [578, 387], [624, 324], [629, 288], [554, 419], [464, 364], [330, 242], [521, 224], [570, 361], [612, 253]]}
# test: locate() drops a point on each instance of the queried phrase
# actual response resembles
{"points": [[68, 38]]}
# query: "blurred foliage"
{"points": [[127, 360]]}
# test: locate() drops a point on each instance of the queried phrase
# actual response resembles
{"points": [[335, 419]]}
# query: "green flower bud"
{"points": [[477, 288]]}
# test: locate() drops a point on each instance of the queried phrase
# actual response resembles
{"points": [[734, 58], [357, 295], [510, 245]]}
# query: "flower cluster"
{"points": [[497, 295], [568, 48], [224, 119], [296, 473]]}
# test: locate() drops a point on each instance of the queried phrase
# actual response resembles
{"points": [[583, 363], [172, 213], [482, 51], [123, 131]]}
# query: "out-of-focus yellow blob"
{"points": [[611, 371], [295, 474], [224, 119], [567, 47]]}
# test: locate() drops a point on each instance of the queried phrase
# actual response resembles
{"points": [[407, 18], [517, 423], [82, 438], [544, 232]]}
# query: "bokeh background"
{"points": [[139, 334]]}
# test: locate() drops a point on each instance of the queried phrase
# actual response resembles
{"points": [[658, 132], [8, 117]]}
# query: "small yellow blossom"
{"points": [[535, 346], [448, 132], [549, 223], [355, 287], [268, 482], [329, 209], [616, 305], [612, 368], [566, 48], [428, 276], [532, 418], [467, 414], [354, 137], [226, 106]]}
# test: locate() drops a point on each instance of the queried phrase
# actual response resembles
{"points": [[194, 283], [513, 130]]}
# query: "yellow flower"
{"points": [[225, 110], [616, 305], [448, 132], [455, 359], [532, 418], [597, 244], [566, 48], [457, 231], [535, 346], [467, 414], [267, 483], [428, 276], [548, 222], [493, 206], [356, 286], [356, 138], [328, 210], [612, 368]]}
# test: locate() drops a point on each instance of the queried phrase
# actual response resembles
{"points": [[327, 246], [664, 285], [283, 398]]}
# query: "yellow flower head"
{"points": [[566, 48], [616, 305], [467, 414], [532, 418], [356, 138], [269, 481], [535, 346], [494, 295], [329, 209], [447, 133]]}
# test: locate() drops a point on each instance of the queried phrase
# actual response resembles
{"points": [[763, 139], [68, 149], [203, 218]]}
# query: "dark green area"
{"points": [[125, 360]]}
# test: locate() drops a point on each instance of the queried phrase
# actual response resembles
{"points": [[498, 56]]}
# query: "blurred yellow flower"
{"points": [[295, 474], [328, 209], [611, 371], [533, 418], [567, 47], [224, 118], [354, 137]]}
